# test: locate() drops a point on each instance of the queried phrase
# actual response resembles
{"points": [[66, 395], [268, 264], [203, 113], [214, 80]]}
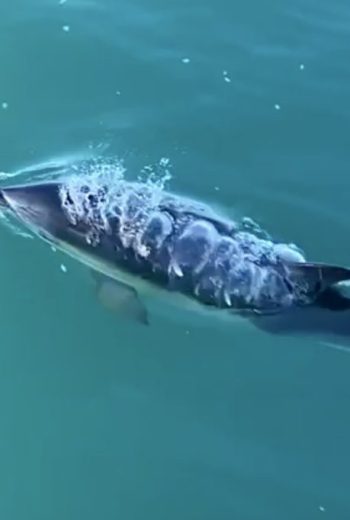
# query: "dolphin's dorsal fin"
{"points": [[318, 277], [120, 298]]}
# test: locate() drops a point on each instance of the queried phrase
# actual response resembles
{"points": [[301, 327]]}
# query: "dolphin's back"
{"points": [[188, 248]]}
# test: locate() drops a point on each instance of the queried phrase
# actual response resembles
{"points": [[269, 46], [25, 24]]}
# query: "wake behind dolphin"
{"points": [[136, 234]]}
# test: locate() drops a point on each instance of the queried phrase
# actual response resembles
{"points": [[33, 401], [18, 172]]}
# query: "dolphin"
{"points": [[136, 237]]}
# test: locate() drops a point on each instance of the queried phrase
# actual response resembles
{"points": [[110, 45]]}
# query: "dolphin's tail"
{"points": [[319, 282]]}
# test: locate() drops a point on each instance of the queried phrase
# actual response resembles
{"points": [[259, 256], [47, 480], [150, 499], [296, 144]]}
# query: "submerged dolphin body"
{"points": [[139, 236]]}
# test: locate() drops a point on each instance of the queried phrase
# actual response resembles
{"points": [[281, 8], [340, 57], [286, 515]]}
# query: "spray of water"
{"points": [[96, 189], [96, 192]]}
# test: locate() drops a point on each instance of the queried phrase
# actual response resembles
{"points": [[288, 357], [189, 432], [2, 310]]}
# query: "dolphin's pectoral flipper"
{"points": [[120, 298]]}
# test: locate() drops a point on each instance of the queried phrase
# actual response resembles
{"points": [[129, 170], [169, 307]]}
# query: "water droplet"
{"points": [[63, 268], [216, 188], [277, 107], [61, 2], [226, 78], [53, 249], [4, 105], [301, 66], [185, 60], [164, 161], [66, 28], [118, 92], [322, 509]]}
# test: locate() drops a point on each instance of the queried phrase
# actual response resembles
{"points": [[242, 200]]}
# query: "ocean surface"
{"points": [[246, 106]]}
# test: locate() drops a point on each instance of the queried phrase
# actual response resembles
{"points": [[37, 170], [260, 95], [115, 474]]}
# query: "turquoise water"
{"points": [[191, 418]]}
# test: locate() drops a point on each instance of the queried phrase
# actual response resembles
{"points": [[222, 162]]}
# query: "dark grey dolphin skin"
{"points": [[182, 247]]}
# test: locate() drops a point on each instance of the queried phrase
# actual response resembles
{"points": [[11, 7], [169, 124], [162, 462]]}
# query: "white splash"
{"points": [[7, 175], [95, 192]]}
